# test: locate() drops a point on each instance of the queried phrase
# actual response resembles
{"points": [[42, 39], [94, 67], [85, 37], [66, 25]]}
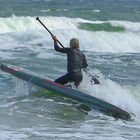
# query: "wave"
{"points": [[95, 36], [20, 24], [24, 23], [125, 97], [106, 26]]}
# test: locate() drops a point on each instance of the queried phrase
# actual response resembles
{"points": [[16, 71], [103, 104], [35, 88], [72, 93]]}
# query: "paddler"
{"points": [[76, 61]]}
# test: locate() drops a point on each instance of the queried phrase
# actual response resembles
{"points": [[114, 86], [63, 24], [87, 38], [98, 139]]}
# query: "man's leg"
{"points": [[63, 79], [78, 77]]}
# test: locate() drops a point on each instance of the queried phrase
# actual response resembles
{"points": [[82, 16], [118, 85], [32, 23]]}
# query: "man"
{"points": [[76, 61]]}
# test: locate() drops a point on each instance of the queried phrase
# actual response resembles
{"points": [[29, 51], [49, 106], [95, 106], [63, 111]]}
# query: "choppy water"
{"points": [[110, 40]]}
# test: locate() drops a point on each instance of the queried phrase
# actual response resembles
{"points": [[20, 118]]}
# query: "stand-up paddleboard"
{"points": [[82, 97]]}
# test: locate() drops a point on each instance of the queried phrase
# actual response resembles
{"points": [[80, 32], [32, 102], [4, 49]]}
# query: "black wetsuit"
{"points": [[75, 62]]}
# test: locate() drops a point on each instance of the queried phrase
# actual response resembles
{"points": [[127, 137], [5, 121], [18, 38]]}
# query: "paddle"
{"points": [[93, 79], [48, 31], [96, 81]]}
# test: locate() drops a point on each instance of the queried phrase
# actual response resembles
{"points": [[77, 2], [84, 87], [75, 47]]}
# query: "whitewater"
{"points": [[65, 28]]}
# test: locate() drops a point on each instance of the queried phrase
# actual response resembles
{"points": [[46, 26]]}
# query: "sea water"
{"points": [[109, 35]]}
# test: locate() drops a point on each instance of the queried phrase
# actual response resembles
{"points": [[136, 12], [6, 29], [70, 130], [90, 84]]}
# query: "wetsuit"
{"points": [[75, 62]]}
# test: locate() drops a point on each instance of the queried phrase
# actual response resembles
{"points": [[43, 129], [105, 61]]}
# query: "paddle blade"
{"points": [[96, 81]]}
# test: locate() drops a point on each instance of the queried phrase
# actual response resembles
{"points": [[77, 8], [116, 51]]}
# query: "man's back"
{"points": [[75, 58]]}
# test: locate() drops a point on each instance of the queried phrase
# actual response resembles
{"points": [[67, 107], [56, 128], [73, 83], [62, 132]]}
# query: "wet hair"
{"points": [[74, 43]]}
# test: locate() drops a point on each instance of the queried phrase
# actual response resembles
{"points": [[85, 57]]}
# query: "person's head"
{"points": [[74, 43]]}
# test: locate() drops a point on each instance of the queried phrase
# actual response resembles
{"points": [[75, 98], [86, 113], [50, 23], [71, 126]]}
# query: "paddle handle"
{"points": [[37, 18]]}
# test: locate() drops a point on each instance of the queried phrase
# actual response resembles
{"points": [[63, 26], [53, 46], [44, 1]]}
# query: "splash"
{"points": [[112, 92], [23, 88]]}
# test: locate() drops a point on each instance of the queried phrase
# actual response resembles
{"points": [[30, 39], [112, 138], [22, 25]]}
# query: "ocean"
{"points": [[109, 35]]}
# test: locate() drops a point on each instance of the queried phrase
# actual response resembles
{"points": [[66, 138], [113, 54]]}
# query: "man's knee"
{"points": [[62, 80]]}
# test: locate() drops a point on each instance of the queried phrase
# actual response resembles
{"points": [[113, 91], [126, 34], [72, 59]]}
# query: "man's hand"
{"points": [[54, 38]]}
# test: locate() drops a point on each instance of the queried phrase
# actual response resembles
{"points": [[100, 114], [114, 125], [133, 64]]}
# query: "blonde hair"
{"points": [[74, 43]]}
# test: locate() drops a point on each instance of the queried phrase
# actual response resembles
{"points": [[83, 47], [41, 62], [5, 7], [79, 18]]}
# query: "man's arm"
{"points": [[56, 46]]}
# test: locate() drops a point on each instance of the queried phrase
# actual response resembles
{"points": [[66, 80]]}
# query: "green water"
{"points": [[101, 27]]}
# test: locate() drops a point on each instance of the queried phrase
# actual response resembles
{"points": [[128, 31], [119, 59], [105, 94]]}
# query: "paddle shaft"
{"points": [[96, 81], [49, 31]]}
